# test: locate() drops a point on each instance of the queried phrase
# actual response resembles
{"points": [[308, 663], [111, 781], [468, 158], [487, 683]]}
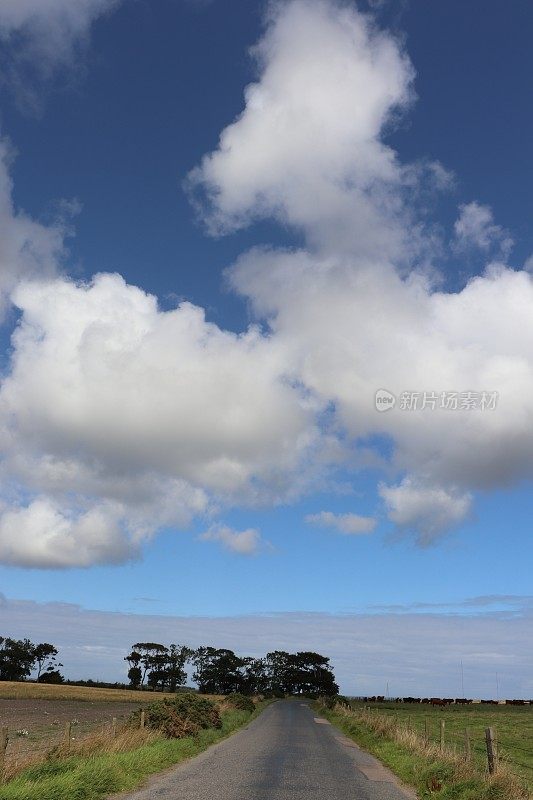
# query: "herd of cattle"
{"points": [[444, 701]]}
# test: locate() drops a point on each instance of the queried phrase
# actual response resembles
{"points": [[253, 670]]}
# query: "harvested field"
{"points": [[11, 690], [36, 714], [38, 725]]}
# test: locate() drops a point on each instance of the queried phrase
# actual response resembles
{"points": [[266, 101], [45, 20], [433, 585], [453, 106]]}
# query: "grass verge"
{"points": [[95, 775], [434, 774]]}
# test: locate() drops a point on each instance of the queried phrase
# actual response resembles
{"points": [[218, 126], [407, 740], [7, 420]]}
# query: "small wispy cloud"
{"points": [[475, 228], [246, 543], [348, 524], [43, 40]]}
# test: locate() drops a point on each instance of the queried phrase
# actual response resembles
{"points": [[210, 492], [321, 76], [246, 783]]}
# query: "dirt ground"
{"points": [[37, 725]]}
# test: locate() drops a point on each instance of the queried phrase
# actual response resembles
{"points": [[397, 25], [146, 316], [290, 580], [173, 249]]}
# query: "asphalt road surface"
{"points": [[287, 753]]}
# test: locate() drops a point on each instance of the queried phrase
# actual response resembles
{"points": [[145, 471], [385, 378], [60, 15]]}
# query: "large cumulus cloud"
{"points": [[116, 411]]}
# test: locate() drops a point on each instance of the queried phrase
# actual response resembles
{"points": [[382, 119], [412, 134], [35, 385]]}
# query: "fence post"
{"points": [[68, 730], [468, 751], [3, 747], [142, 719], [491, 753], [114, 728], [442, 726]]}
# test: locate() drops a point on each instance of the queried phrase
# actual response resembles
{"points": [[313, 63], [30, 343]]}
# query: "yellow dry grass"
{"points": [[505, 784], [127, 739], [10, 690]]}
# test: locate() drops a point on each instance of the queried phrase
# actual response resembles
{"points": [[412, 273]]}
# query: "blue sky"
{"points": [[364, 223]]}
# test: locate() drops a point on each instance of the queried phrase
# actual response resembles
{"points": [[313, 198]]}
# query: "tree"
{"points": [[135, 673], [162, 667], [311, 674], [45, 658], [221, 671], [135, 676], [178, 655], [278, 672], [255, 677], [147, 656], [299, 673], [218, 671], [17, 657]]}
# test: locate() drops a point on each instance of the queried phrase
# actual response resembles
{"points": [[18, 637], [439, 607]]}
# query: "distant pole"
{"points": [[462, 680], [142, 719], [3, 748], [497, 688], [387, 692], [442, 725], [426, 730]]}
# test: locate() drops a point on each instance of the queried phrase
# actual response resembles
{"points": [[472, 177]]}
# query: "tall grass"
{"points": [[100, 764], [440, 774]]}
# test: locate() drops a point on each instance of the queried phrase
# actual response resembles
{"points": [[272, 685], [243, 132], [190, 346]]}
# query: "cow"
{"points": [[438, 701]]}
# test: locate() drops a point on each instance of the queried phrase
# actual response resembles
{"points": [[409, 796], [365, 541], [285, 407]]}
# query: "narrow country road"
{"points": [[285, 754]]}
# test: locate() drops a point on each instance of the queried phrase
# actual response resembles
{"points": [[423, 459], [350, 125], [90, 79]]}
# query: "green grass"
{"points": [[94, 777], [513, 726], [442, 777]]}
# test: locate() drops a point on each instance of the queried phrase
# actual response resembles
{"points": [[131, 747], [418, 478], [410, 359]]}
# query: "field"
{"points": [[35, 714], [42, 691], [99, 759], [513, 727]]}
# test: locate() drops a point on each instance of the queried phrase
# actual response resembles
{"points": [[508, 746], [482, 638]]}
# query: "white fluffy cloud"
{"points": [[352, 330], [344, 523], [475, 227], [111, 399], [245, 543], [148, 418], [40, 535], [99, 369], [307, 147], [427, 511], [350, 316]]}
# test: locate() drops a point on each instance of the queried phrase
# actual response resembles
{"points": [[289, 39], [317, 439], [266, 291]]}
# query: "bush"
{"points": [[241, 701], [51, 676], [329, 700], [184, 715]]}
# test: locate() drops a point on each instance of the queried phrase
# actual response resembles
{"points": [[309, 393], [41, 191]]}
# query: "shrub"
{"points": [[51, 676], [241, 701], [329, 701], [182, 716]]}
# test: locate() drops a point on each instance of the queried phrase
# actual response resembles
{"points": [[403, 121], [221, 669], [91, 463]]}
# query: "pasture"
{"points": [[513, 726]]}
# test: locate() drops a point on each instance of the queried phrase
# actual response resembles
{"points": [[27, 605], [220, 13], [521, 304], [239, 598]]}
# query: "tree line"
{"points": [[221, 671], [20, 657], [158, 667]]}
